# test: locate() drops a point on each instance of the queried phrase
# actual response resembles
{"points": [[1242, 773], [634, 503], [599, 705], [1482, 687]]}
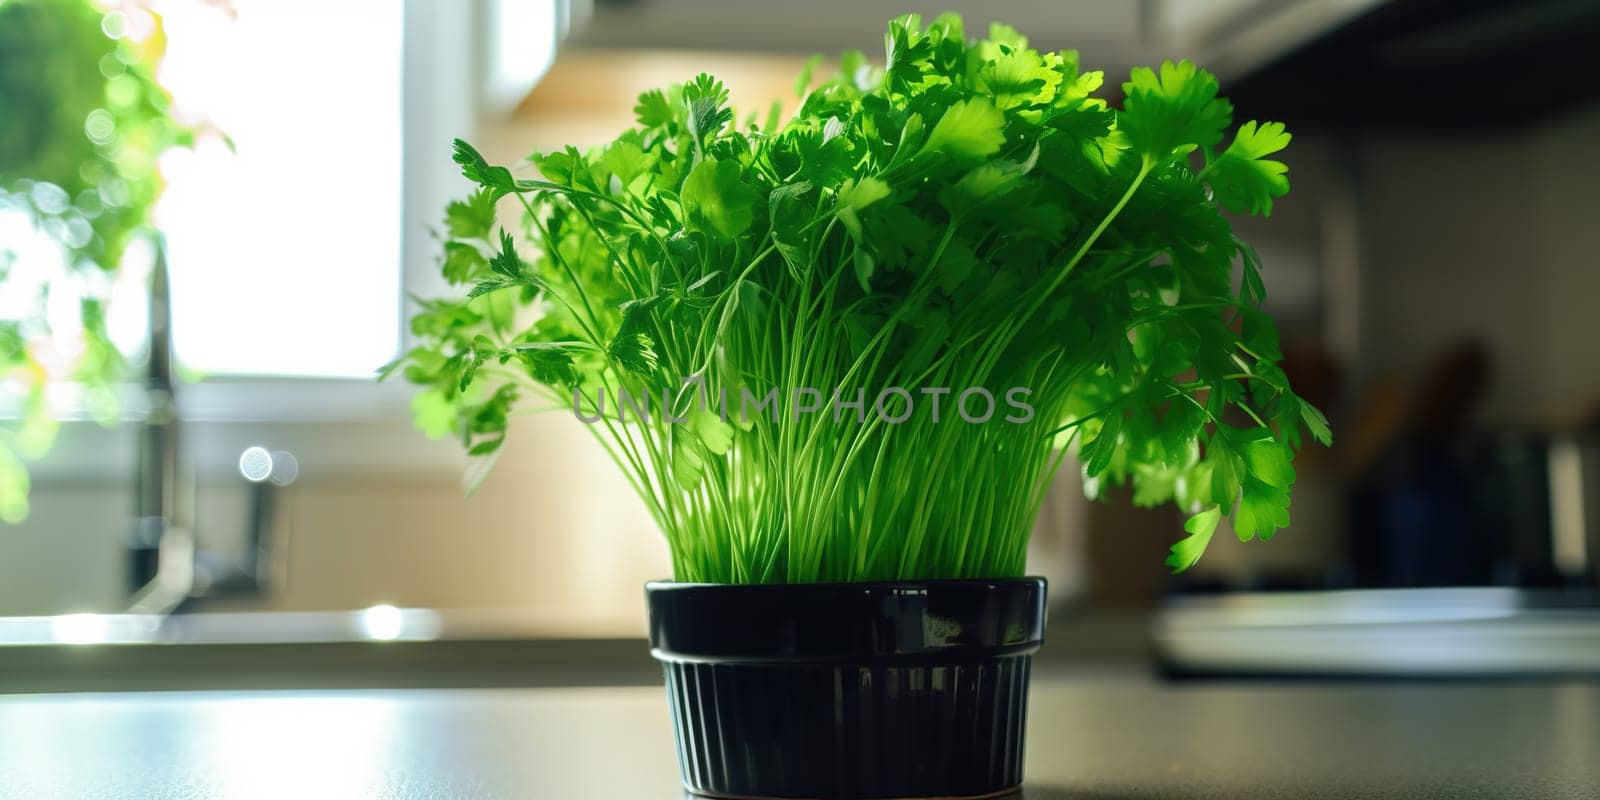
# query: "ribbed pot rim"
{"points": [[833, 622]]}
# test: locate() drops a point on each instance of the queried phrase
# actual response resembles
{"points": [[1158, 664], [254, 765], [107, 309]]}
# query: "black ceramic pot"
{"points": [[849, 690]]}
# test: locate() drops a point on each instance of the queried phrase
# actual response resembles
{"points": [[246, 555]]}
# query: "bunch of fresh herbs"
{"points": [[968, 217]]}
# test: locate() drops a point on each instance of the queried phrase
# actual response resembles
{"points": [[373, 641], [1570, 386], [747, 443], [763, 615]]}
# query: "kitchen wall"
{"points": [[554, 533], [1493, 238]]}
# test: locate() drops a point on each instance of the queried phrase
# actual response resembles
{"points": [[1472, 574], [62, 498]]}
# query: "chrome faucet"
{"points": [[166, 571], [160, 548]]}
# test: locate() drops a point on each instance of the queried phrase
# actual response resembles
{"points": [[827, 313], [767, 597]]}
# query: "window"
{"points": [[285, 252]]}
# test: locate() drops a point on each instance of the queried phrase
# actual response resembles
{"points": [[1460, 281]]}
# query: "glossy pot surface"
{"points": [[849, 690]]}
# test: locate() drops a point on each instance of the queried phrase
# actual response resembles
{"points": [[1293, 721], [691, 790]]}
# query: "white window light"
{"points": [[285, 251]]}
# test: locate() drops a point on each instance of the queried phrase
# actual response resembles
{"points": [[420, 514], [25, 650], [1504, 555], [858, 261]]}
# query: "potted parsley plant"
{"points": [[841, 356]]}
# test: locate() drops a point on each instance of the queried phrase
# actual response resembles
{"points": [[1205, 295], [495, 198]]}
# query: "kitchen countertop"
{"points": [[1098, 735], [227, 651]]}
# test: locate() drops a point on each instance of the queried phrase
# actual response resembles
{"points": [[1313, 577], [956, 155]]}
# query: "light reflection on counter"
{"points": [[377, 623]]}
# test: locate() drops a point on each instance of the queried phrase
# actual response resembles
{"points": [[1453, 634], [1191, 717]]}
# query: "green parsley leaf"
{"points": [[462, 262], [507, 262], [1243, 178], [1316, 423], [654, 110], [717, 200], [471, 218], [1200, 527], [1173, 112], [708, 113], [855, 196], [496, 180], [983, 184], [970, 129], [433, 414]]}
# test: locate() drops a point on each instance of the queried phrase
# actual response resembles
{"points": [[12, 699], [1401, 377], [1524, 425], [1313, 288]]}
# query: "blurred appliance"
{"points": [[1463, 632], [1508, 508], [1505, 526]]}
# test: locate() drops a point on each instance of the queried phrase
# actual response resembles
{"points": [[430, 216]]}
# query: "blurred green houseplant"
{"points": [[968, 216], [82, 123]]}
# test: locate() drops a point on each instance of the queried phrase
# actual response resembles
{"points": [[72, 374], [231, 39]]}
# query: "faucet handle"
{"points": [[260, 566]]}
